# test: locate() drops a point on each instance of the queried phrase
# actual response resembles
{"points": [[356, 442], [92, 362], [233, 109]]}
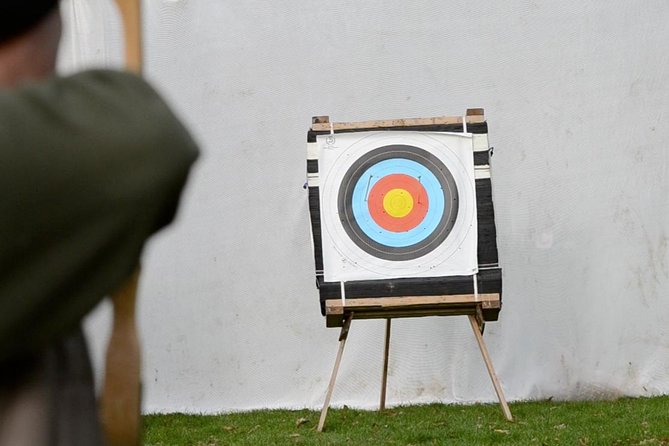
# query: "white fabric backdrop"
{"points": [[577, 97]]}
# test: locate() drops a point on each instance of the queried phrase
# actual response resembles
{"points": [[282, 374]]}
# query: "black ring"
{"points": [[429, 243]]}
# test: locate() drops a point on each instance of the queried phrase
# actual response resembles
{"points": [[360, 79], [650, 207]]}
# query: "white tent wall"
{"points": [[577, 97]]}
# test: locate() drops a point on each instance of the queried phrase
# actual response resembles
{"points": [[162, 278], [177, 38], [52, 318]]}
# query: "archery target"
{"points": [[397, 204]]}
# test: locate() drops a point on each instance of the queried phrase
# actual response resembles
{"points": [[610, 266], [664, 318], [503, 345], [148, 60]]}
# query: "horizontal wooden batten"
{"points": [[390, 123], [408, 306], [475, 128]]}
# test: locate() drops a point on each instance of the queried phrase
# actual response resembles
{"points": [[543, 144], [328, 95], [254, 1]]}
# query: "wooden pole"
{"points": [[384, 376], [491, 371], [335, 370]]}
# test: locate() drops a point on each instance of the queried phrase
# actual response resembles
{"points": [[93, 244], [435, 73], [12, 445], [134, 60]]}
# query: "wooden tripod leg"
{"points": [[121, 399], [384, 377], [491, 371], [333, 378]]}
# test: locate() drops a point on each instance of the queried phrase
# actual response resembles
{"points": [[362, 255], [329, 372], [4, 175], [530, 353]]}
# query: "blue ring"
{"points": [[410, 168]]}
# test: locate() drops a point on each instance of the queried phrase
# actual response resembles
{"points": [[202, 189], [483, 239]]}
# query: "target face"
{"points": [[397, 204]]}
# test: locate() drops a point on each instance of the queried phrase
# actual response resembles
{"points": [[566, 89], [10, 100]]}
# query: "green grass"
{"points": [[627, 421]]}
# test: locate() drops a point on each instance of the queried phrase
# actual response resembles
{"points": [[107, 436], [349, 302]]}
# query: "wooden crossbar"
{"points": [[408, 306], [323, 124]]}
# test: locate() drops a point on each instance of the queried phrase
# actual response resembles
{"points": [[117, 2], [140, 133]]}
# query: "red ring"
{"points": [[398, 181]]}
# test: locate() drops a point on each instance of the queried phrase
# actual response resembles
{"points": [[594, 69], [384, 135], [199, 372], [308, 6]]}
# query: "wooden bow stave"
{"points": [[120, 403]]}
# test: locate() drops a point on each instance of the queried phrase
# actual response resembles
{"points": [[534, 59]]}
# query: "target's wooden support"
{"points": [[342, 342], [477, 328], [384, 375], [447, 297], [411, 306]]}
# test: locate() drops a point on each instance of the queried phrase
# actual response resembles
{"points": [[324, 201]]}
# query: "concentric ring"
{"points": [[427, 227], [398, 202]]}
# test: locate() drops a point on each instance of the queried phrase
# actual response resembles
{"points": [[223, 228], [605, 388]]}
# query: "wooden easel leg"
{"points": [[384, 377], [488, 363], [333, 378]]}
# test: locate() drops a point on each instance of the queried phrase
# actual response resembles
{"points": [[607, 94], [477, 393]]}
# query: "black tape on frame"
{"points": [[485, 215], [315, 214], [488, 280], [312, 166], [481, 158]]}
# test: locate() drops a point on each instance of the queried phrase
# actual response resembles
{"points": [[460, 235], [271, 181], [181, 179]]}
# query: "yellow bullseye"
{"points": [[398, 203]]}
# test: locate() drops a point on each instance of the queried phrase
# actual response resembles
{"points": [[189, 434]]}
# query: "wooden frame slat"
{"points": [[408, 306], [323, 124]]}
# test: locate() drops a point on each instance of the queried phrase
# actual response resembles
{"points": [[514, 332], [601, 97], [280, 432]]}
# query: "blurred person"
{"points": [[90, 166]]}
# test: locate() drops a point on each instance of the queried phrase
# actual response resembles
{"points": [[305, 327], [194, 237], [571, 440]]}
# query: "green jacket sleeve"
{"points": [[90, 166]]}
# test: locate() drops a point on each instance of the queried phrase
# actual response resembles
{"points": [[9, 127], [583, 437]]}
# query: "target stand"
{"points": [[403, 225]]}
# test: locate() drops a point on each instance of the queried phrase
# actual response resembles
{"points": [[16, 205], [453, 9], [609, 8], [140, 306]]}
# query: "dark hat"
{"points": [[17, 16]]}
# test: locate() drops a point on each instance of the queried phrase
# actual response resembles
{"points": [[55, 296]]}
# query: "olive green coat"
{"points": [[90, 166]]}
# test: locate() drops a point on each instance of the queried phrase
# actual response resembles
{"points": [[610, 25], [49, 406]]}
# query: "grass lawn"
{"points": [[627, 421]]}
